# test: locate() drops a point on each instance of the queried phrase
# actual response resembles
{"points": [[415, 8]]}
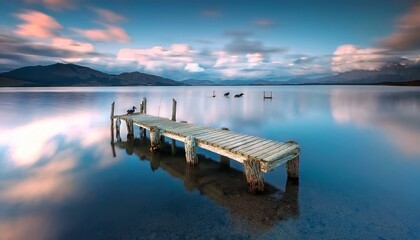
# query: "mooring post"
{"points": [[154, 138], [143, 105], [130, 127], [190, 150], [292, 168], [173, 110], [254, 176], [112, 110]]}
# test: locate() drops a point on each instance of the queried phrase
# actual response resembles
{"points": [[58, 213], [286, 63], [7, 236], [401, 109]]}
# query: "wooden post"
{"points": [[173, 110], [190, 150], [130, 127], [173, 147], [144, 105], [112, 109], [254, 175], [292, 168], [154, 138]]}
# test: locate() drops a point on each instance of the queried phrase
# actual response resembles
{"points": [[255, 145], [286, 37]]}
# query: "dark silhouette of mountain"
{"points": [[10, 82], [389, 73], [133, 78], [60, 74], [197, 82], [410, 83]]}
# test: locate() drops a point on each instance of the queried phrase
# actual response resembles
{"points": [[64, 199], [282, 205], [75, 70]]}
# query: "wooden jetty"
{"points": [[258, 155], [223, 185]]}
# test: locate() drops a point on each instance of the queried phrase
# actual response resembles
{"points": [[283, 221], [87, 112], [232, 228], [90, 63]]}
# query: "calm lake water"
{"points": [[61, 178]]}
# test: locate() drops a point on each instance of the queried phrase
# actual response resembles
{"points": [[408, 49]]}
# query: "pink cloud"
{"points": [[37, 24], [54, 4], [72, 45], [349, 57], [110, 34], [407, 34], [108, 15]]}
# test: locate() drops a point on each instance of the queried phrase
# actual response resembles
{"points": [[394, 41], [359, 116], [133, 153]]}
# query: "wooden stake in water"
{"points": [[292, 168], [173, 110]]}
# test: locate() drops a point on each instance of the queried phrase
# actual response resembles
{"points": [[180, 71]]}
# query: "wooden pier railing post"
{"points": [[254, 176], [292, 168], [112, 110], [154, 138], [143, 105], [173, 110], [190, 150]]}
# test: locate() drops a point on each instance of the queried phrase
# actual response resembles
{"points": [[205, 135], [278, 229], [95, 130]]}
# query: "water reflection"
{"points": [[223, 185], [396, 115]]}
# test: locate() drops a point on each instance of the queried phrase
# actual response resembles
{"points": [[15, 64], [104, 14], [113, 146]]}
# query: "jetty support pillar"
{"points": [[254, 176], [191, 150], [154, 139], [292, 168]]}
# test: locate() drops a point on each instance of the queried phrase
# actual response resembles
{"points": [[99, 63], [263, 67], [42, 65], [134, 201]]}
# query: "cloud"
{"points": [[349, 57], [37, 24], [193, 67], [54, 4], [72, 45], [17, 52], [179, 57], [109, 34], [109, 16], [264, 23], [407, 34]]}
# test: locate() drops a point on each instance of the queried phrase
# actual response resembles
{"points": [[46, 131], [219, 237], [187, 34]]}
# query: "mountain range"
{"points": [[60, 74]]}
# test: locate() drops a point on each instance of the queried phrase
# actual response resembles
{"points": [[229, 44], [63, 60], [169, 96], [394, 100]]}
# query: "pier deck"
{"points": [[257, 154]]}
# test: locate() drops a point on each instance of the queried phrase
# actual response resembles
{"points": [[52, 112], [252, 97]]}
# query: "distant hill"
{"points": [[60, 74], [197, 82]]}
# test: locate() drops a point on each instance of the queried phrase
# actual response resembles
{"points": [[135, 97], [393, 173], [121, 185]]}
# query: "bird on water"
{"points": [[227, 94]]}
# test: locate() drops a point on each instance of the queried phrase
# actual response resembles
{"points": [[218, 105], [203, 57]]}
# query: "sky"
{"points": [[211, 40]]}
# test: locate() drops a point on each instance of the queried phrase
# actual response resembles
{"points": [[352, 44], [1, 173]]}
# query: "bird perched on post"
{"points": [[131, 111]]}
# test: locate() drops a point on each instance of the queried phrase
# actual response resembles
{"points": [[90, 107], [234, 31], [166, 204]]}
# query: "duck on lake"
{"points": [[131, 111], [227, 94], [239, 95]]}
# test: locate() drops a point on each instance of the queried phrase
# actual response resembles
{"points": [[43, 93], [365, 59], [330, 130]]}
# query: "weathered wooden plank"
{"points": [[208, 138], [281, 153], [268, 151], [244, 147], [246, 150], [263, 147], [241, 141], [274, 151], [222, 138]]}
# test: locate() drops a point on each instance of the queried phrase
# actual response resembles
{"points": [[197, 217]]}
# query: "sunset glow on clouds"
{"points": [[207, 42]]}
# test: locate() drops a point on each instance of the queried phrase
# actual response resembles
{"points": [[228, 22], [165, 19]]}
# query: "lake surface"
{"points": [[61, 178]]}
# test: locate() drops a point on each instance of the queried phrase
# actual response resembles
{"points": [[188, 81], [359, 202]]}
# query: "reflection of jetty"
{"points": [[257, 154], [222, 184]]}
